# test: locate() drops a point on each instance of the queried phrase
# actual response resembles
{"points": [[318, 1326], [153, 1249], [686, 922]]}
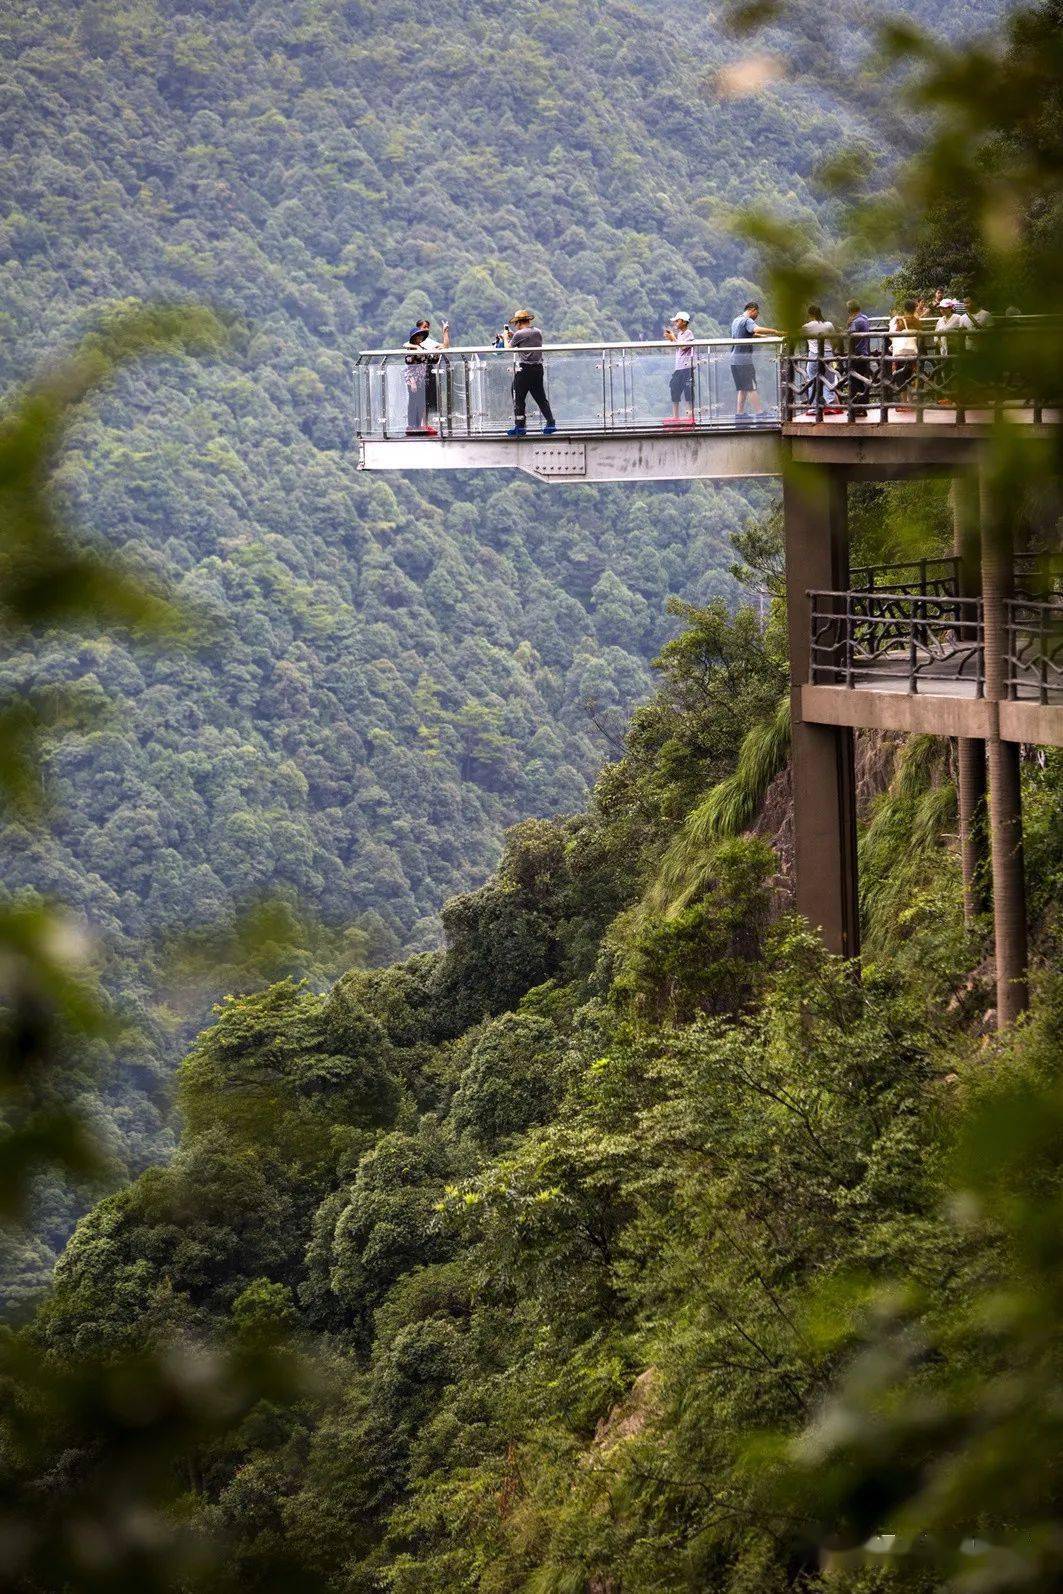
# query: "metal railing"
{"points": [[1034, 660], [897, 642], [866, 378], [627, 387], [925, 578], [592, 388], [1039, 576]]}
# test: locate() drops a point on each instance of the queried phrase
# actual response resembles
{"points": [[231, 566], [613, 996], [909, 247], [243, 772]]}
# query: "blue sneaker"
{"points": [[548, 431], [517, 431]]}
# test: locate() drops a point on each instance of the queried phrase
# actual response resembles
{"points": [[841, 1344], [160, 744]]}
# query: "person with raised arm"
{"points": [[743, 368], [681, 385], [417, 385], [433, 348], [529, 377]]}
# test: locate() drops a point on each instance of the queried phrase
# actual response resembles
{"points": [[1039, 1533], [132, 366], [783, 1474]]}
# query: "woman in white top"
{"points": [[821, 377], [904, 348]]}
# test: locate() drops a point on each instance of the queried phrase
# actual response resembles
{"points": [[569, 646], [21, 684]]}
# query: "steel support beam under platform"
{"points": [[689, 456], [824, 787]]}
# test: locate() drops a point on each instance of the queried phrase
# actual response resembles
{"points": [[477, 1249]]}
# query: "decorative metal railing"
{"points": [[1039, 576], [878, 377], [906, 642], [897, 642], [1034, 662], [924, 578], [602, 388]]}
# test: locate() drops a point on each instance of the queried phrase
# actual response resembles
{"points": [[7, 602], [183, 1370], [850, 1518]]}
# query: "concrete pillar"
{"points": [[1005, 790], [815, 529], [970, 753]]}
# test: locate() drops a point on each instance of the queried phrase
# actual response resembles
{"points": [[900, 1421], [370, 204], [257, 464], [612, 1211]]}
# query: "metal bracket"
{"points": [[559, 459]]}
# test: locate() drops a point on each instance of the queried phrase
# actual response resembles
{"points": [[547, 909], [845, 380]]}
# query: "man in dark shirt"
{"points": [[529, 375], [743, 369]]}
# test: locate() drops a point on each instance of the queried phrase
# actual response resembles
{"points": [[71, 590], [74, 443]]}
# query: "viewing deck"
{"points": [[655, 411]]}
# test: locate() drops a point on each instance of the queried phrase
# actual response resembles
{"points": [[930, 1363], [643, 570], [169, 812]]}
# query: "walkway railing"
{"points": [[897, 642], [868, 378], [592, 388], [905, 642], [1035, 650], [607, 388], [925, 578]]}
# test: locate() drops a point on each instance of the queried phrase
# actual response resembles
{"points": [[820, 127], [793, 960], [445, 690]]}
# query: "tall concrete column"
{"points": [[1005, 790], [970, 753], [815, 529]]}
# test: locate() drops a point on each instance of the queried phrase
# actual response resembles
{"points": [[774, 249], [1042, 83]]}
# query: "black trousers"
{"points": [[529, 379], [860, 383]]}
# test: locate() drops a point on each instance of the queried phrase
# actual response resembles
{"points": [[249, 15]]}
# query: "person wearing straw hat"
{"points": [[681, 385], [417, 385], [529, 377]]}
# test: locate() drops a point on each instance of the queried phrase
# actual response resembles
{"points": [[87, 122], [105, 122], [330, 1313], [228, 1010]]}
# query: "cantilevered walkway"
{"points": [[615, 417], [969, 647]]}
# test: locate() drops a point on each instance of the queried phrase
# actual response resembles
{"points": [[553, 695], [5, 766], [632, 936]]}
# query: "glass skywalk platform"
{"points": [[646, 411], [595, 390]]}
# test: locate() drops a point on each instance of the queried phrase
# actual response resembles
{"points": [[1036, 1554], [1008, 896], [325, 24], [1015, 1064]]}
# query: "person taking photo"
{"points": [[681, 384], [529, 377]]}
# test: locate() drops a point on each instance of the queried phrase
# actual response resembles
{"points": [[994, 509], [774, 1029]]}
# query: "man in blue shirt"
{"points": [[859, 359], [743, 369]]}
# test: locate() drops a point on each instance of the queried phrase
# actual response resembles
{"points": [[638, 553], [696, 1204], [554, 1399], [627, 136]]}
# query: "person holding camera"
{"points": [[433, 348], [529, 377], [681, 383], [416, 361]]}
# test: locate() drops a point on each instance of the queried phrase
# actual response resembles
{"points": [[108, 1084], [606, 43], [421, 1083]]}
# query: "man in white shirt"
{"points": [[681, 385], [976, 313]]}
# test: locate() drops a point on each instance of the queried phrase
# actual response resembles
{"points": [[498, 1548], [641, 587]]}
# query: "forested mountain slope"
{"points": [[404, 667], [578, 1220]]}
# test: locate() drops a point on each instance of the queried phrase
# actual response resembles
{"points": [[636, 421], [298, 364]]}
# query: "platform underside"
{"points": [[705, 455]]}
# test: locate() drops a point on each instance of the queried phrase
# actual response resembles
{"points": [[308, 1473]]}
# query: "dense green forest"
{"points": [[626, 1243], [577, 1216], [402, 668]]}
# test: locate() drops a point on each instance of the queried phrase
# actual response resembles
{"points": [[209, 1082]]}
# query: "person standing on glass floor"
{"points": [[681, 385], [744, 329], [529, 377]]}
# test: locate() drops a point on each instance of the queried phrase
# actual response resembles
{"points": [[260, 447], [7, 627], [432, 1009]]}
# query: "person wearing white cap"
{"points": [[952, 319], [681, 385]]}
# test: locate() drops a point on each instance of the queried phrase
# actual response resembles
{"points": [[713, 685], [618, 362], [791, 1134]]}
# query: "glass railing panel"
{"points": [[454, 392], [655, 385], [585, 388], [593, 389], [491, 384]]}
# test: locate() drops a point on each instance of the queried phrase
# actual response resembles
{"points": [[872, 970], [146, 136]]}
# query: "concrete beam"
{"points": [[1036, 724], [570, 459], [824, 787], [897, 711], [878, 453]]}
